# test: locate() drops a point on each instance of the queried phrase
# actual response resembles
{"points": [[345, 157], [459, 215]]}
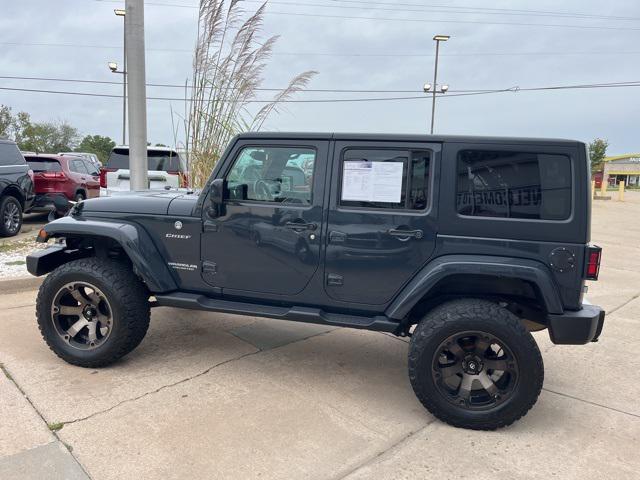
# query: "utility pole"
{"points": [[122, 13], [134, 34], [438, 39]]}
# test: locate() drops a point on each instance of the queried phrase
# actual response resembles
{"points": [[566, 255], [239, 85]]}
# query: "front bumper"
{"points": [[578, 327]]}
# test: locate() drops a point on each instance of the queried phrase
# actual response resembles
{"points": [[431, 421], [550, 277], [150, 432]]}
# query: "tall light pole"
{"points": [[122, 13], [134, 32], [438, 39]]}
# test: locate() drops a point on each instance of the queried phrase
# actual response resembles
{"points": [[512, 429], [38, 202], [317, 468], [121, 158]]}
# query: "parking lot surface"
{"points": [[218, 396]]}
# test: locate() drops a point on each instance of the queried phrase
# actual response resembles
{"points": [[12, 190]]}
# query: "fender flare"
{"points": [[134, 240], [531, 271]]}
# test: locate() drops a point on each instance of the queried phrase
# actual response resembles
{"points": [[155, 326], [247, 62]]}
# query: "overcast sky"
{"points": [[486, 51]]}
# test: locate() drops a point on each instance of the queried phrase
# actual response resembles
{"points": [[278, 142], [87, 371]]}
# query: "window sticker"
{"points": [[372, 181]]}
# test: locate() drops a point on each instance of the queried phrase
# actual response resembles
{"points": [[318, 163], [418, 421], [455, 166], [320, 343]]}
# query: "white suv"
{"points": [[165, 166]]}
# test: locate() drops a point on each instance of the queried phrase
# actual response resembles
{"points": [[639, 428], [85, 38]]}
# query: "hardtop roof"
{"points": [[387, 137]]}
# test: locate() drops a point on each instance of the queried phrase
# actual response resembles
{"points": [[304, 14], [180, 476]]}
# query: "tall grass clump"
{"points": [[228, 66]]}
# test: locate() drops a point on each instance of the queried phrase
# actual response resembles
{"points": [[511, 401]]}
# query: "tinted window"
{"points": [[395, 179], [10, 155], [273, 174], [44, 165], [514, 185], [166, 161]]}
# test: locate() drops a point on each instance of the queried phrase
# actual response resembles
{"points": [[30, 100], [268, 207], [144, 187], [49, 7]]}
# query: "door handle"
{"points": [[301, 227], [404, 235]]}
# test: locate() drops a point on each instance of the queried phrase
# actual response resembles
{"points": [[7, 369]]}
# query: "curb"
{"points": [[19, 284]]}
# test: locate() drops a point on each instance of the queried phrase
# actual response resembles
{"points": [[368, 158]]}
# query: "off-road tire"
{"points": [[127, 296], [479, 315], [5, 202]]}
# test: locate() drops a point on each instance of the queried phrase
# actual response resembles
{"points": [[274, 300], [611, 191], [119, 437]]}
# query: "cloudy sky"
{"points": [[516, 43]]}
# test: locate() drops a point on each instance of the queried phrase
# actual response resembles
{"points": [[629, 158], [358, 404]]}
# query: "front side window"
{"points": [[273, 174], [513, 185], [385, 179]]}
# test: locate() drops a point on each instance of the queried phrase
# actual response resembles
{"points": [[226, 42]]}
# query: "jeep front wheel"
{"points": [[92, 312], [473, 365]]}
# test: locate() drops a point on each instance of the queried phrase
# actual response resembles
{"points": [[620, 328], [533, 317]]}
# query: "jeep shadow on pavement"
{"points": [[464, 244]]}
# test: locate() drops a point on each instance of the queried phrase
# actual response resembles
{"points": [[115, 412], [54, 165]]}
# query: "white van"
{"points": [[166, 167]]}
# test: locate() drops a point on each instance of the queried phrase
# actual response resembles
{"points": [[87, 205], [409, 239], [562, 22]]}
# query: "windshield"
{"points": [[42, 165], [166, 161]]}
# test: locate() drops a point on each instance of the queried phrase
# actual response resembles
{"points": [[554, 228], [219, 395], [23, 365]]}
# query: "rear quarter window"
{"points": [[508, 184], [10, 155]]}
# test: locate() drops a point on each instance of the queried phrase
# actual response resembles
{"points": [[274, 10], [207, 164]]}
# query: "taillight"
{"points": [[103, 175], [594, 254], [54, 175]]}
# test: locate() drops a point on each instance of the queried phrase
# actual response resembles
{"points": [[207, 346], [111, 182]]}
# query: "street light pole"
{"points": [[122, 13], [134, 32], [438, 39]]}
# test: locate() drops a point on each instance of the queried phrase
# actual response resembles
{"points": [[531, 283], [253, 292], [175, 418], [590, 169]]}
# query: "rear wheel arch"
{"points": [[526, 284], [15, 192]]}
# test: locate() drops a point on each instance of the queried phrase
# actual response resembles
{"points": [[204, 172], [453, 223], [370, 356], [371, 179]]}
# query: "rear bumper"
{"points": [[578, 327], [44, 201]]}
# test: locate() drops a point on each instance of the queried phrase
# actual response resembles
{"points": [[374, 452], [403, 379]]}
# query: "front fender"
{"points": [[531, 271], [133, 239]]}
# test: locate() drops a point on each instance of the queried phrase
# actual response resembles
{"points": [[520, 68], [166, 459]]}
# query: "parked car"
{"points": [[16, 188], [166, 168], [464, 244], [72, 177], [92, 157]]}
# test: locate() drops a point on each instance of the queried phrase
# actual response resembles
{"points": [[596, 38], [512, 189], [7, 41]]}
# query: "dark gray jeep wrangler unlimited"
{"points": [[464, 244]]}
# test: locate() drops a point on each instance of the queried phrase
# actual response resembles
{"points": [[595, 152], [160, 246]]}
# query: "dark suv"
{"points": [[464, 244], [16, 188]]}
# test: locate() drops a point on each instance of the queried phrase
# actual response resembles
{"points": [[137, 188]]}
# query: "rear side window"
{"points": [[385, 179], [166, 161], [42, 165], [10, 155], [513, 185], [77, 166]]}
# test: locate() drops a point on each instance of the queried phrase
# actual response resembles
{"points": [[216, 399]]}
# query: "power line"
{"points": [[326, 90], [421, 20], [489, 10], [414, 7], [345, 100], [335, 54]]}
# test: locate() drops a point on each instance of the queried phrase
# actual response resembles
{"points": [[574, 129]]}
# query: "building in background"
{"points": [[621, 168]]}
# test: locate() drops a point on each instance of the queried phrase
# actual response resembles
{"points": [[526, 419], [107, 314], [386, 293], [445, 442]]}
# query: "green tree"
{"points": [[97, 144], [12, 126], [6, 121], [597, 153], [48, 137]]}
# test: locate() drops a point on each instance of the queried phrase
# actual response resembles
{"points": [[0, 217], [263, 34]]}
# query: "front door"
{"points": [[381, 227], [267, 239]]}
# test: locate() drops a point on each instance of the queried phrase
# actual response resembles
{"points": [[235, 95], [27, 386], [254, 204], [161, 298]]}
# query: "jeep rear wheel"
{"points": [[473, 365], [92, 312]]}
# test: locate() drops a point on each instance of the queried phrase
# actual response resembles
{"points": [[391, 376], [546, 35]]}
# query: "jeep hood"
{"points": [[149, 203]]}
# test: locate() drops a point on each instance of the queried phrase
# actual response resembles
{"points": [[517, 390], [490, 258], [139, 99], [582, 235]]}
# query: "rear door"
{"points": [[382, 218], [92, 179]]}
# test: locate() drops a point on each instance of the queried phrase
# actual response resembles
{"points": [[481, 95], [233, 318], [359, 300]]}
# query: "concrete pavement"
{"points": [[218, 396]]}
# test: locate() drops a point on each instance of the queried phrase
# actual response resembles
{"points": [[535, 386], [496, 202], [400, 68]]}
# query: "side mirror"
{"points": [[216, 197]]}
